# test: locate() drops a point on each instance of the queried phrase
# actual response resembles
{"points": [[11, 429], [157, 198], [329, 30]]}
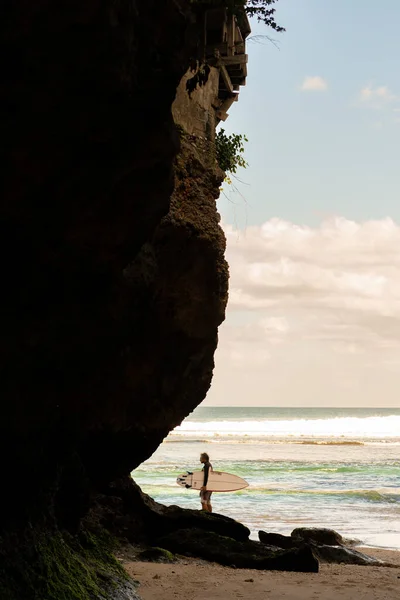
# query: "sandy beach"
{"points": [[199, 580]]}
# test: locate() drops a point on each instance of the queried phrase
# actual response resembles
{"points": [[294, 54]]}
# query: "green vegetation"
{"points": [[262, 9], [230, 150], [157, 555], [59, 567]]}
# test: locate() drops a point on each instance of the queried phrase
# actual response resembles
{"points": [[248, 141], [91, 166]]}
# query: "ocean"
{"points": [[312, 467]]}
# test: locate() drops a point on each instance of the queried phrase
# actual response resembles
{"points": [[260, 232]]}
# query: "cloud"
{"points": [[376, 97], [339, 265], [314, 84], [313, 315], [301, 294]]}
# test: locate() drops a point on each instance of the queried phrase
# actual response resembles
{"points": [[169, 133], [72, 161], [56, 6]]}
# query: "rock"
{"points": [[174, 518], [247, 555], [331, 550], [249, 580], [157, 555], [278, 540], [120, 590], [340, 554], [352, 542], [129, 513], [105, 268], [318, 535], [334, 552]]}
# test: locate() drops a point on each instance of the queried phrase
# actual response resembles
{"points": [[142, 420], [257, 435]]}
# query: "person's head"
{"points": [[204, 458]]}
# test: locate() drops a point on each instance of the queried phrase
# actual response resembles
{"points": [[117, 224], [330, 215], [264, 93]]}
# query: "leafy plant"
{"points": [[254, 8], [262, 9], [230, 150]]}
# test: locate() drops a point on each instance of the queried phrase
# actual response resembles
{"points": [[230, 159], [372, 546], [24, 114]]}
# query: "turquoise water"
{"points": [[325, 467]]}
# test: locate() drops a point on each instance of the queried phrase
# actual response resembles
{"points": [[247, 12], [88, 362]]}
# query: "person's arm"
{"points": [[206, 470]]}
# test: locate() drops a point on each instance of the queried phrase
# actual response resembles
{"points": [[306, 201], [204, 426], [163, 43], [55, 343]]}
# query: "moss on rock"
{"points": [[159, 555], [57, 566]]}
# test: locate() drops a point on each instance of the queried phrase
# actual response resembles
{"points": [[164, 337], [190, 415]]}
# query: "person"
{"points": [[205, 496]]}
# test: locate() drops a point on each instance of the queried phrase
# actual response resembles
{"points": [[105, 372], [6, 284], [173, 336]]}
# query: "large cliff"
{"points": [[112, 289]]}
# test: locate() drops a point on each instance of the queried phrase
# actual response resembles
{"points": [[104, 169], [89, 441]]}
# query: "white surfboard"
{"points": [[217, 481]]}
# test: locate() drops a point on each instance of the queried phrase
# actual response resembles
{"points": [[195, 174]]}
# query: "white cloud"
{"points": [[314, 84], [339, 265], [310, 310], [378, 97]]}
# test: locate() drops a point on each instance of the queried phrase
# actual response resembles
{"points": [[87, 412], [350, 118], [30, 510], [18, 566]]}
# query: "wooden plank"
{"points": [[227, 103], [226, 79], [238, 34], [231, 34], [238, 59], [238, 80], [222, 111], [222, 49], [245, 26]]}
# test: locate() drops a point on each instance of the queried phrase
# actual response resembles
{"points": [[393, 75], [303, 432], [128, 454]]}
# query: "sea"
{"points": [[306, 467]]}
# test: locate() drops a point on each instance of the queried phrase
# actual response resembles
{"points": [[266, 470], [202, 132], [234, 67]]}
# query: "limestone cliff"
{"points": [[112, 289]]}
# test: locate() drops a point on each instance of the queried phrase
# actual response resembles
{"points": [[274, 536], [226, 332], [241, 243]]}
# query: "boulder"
{"points": [[246, 555], [330, 553], [280, 541], [157, 555], [340, 554], [174, 518], [130, 514], [321, 535]]}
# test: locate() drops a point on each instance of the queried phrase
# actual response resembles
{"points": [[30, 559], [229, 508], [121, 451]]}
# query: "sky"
{"points": [[313, 223]]}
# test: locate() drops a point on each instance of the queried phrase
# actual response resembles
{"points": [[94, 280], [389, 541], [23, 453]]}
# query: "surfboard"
{"points": [[217, 481]]}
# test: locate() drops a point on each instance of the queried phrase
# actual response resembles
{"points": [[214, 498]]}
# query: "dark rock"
{"points": [[247, 555], [335, 552], [278, 540], [157, 555], [352, 542], [113, 291], [120, 590], [103, 273], [340, 554], [130, 514], [318, 535]]}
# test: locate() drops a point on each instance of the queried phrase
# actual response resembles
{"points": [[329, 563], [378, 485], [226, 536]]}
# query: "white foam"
{"points": [[340, 427]]}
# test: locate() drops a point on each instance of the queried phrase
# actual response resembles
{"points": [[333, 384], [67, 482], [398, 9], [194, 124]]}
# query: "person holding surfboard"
{"points": [[207, 480], [205, 496]]}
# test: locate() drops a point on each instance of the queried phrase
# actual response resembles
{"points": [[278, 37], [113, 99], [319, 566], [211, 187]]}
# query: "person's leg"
{"points": [[205, 499]]}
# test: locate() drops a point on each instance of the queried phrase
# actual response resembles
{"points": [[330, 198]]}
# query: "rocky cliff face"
{"points": [[112, 291]]}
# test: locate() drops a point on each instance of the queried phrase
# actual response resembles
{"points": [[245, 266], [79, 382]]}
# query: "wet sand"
{"points": [[198, 580]]}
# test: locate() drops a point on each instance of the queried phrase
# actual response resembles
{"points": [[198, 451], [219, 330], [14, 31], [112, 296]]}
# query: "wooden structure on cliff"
{"points": [[225, 49]]}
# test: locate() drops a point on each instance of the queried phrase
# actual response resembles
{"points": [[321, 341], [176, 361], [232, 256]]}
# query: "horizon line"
{"points": [[268, 406]]}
